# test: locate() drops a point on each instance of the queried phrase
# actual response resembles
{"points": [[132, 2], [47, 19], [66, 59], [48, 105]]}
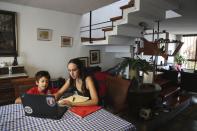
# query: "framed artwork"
{"points": [[94, 56], [66, 41], [8, 33], [44, 34], [84, 61]]}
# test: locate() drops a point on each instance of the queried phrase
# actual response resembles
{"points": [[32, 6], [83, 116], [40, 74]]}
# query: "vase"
{"points": [[15, 62]]}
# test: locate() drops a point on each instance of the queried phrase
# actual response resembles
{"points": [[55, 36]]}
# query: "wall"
{"points": [[49, 55]]}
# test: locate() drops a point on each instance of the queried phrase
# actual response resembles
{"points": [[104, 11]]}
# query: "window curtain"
{"points": [[188, 50]]}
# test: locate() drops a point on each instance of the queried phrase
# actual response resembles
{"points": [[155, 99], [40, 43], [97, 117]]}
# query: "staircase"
{"points": [[126, 28]]}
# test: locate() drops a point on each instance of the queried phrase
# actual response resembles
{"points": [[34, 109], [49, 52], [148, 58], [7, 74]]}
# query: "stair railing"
{"points": [[92, 27]]}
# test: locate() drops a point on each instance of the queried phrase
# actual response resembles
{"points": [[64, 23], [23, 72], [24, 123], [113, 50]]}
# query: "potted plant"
{"points": [[179, 59], [135, 65]]}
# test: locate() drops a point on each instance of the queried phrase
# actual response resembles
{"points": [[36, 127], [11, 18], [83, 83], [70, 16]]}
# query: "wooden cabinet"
{"points": [[11, 88], [21, 85], [7, 90]]}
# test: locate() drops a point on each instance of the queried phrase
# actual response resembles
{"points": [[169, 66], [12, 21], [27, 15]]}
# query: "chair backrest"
{"points": [[189, 81], [171, 75]]}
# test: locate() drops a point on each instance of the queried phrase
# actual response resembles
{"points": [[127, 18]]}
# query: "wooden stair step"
{"points": [[126, 6], [116, 18], [129, 5], [107, 29], [177, 101], [170, 91], [85, 39]]}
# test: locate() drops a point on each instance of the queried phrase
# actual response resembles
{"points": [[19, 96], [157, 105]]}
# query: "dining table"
{"points": [[13, 118]]}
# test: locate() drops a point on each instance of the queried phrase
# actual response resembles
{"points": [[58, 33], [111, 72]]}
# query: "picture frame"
{"points": [[66, 41], [8, 37], [44, 34], [94, 56], [84, 61]]}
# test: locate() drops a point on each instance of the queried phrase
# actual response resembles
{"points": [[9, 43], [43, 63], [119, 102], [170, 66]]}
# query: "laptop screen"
{"points": [[42, 106]]}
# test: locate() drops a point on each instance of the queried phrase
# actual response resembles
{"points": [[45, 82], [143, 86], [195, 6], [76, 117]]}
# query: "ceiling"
{"points": [[186, 24], [67, 6]]}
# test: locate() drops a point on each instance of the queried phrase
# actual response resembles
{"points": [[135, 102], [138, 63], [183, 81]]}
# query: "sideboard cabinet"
{"points": [[7, 90]]}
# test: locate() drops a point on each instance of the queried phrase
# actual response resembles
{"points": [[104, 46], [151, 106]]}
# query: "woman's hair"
{"points": [[40, 74], [82, 73]]}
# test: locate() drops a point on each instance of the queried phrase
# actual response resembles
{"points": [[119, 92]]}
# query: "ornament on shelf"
{"points": [[15, 62]]}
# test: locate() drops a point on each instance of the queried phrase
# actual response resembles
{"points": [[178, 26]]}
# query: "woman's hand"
{"points": [[56, 96]]}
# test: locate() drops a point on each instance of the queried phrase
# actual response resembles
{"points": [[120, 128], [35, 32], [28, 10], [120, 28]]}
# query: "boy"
{"points": [[42, 82]]}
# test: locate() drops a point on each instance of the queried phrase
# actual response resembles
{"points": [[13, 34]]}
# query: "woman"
{"points": [[79, 82]]}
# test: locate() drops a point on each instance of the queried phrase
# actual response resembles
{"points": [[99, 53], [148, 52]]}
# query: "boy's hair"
{"points": [[40, 74]]}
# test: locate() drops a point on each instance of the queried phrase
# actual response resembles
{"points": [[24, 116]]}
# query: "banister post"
{"points": [[90, 27]]}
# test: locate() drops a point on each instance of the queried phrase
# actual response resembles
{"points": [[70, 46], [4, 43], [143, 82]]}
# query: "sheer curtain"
{"points": [[188, 50]]}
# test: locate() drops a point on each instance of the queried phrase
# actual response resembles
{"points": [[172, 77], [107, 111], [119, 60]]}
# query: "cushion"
{"points": [[100, 83], [100, 78], [57, 83]]}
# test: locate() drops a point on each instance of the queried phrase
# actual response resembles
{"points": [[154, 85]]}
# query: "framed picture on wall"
{"points": [[44, 34], [66, 41], [8, 33], [84, 61], [94, 56]]}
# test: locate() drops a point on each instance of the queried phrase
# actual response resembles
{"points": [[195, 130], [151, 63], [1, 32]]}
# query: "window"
{"points": [[188, 50]]}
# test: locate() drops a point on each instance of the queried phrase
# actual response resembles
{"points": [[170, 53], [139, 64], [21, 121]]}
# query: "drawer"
{"points": [[6, 90], [6, 94], [5, 86]]}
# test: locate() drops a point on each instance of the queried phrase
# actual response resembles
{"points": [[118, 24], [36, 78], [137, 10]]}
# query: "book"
{"points": [[73, 98], [82, 111]]}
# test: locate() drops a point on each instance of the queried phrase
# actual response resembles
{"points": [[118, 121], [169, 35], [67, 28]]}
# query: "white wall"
{"points": [[48, 55]]}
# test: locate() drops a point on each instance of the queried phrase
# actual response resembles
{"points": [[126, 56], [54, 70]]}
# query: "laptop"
{"points": [[43, 106]]}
